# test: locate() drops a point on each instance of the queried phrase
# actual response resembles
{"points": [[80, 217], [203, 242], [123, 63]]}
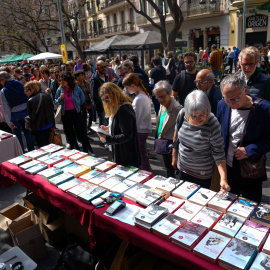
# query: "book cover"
{"points": [[54, 149], [111, 182], [186, 190], [261, 214], [84, 160], [202, 196], [35, 169], [172, 203], [156, 181], [123, 186], [69, 184], [50, 173], [47, 147], [168, 225], [20, 160], [211, 246], [237, 255], [242, 207], [188, 235], [98, 179], [63, 164], [91, 193], [78, 156], [93, 162], [30, 164], [135, 192], [188, 210], [261, 262], [105, 166], [70, 167], [125, 171], [46, 157], [252, 233], [60, 179], [53, 160], [151, 195], [90, 175], [75, 191], [229, 224], [222, 201], [66, 153], [207, 217], [78, 171], [141, 176], [266, 246], [35, 154]]}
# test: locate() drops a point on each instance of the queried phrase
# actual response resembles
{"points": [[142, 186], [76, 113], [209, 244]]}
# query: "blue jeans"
{"points": [[20, 126], [101, 117], [156, 104], [216, 71]]}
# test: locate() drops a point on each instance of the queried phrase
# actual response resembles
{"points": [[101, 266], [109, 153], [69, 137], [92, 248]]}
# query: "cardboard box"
{"points": [[27, 236], [12, 213], [32, 200], [47, 212]]}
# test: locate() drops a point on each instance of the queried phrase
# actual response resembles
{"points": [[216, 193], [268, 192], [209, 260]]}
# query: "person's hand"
{"points": [[12, 126], [105, 128], [240, 153], [102, 137], [62, 96], [224, 186]]}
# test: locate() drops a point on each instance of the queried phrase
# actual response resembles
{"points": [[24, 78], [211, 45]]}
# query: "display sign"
{"points": [[258, 20], [64, 53]]}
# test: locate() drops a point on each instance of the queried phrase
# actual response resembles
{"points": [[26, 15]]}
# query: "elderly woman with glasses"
{"points": [[122, 129], [198, 143], [233, 113]]}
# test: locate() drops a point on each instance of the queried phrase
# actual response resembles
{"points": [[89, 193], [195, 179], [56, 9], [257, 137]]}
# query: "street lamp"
{"points": [[202, 4]]}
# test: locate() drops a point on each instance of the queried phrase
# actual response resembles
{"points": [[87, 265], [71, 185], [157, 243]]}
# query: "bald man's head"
{"points": [[205, 79]]}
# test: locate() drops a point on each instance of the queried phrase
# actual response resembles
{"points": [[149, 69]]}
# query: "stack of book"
{"points": [[60, 179], [125, 171], [266, 246], [261, 214], [186, 190], [202, 196], [5, 135], [30, 164], [152, 195], [70, 168], [133, 193], [69, 184], [50, 173], [53, 149], [123, 186], [262, 262], [98, 179], [66, 153], [237, 255], [141, 176], [253, 233], [211, 246], [93, 162], [92, 193], [149, 216], [78, 189], [229, 225], [78, 156], [242, 207], [222, 202], [36, 169], [188, 210], [35, 154], [207, 217], [172, 204], [46, 157], [90, 175], [20, 160], [63, 164], [189, 235], [84, 160], [111, 182], [47, 147], [166, 227], [53, 160], [78, 171], [105, 166]]}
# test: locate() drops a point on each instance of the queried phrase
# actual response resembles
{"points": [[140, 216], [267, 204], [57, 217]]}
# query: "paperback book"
{"points": [[253, 233], [20, 160], [210, 247], [222, 202], [46, 157], [66, 153], [77, 190], [91, 194], [141, 176], [105, 166], [186, 190], [237, 255], [123, 186], [5, 135], [69, 184], [35, 154], [53, 160], [202, 196], [54, 149], [229, 225], [78, 171], [188, 210], [207, 217], [111, 182], [63, 164], [133, 193], [125, 171], [189, 235], [47, 147], [50, 173], [262, 262], [78, 156], [90, 175], [172, 203], [30, 164], [93, 162], [60, 179], [35, 169], [98, 179], [261, 214], [266, 246], [84, 160], [152, 195], [242, 207], [70, 167], [166, 227]]}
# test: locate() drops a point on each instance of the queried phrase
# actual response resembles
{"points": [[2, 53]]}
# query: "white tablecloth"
{"points": [[10, 148]]}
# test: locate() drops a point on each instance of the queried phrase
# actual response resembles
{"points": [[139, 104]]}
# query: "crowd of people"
{"points": [[199, 126]]}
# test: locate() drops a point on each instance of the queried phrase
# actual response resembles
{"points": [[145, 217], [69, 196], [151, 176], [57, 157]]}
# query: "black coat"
{"points": [[45, 115], [124, 139]]}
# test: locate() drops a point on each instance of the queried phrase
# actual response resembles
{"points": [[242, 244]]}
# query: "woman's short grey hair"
{"points": [[163, 85], [4, 75], [233, 82], [198, 101]]}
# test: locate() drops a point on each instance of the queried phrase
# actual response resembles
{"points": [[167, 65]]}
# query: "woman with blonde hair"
{"points": [[142, 107], [122, 128]]}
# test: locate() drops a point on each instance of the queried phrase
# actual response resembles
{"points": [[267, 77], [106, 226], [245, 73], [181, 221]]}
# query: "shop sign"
{"points": [[258, 20]]}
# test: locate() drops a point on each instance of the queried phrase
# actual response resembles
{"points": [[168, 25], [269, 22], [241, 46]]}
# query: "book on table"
{"points": [[188, 210], [54, 149], [47, 147], [20, 160], [207, 217], [125, 171], [5, 135], [105, 166], [242, 207], [69, 184], [60, 179], [93, 162], [202, 196], [84, 160], [53, 160], [66, 153], [221, 201], [98, 179], [78, 189], [211, 246], [77, 172], [30, 164], [189, 235], [253, 233], [92, 193], [123, 186], [151, 195], [266, 246], [140, 176], [111, 182], [63, 164], [46, 157], [237, 255], [89, 175], [78, 156], [229, 225], [172, 204], [35, 154], [133, 193], [37, 168], [50, 173], [186, 190], [261, 214], [261, 262], [70, 168], [166, 227]]}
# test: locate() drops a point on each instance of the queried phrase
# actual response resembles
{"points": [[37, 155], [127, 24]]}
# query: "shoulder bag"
{"points": [[252, 167], [27, 118]]}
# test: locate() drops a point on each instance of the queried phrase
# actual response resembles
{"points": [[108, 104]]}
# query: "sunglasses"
{"points": [[123, 74], [102, 67]]}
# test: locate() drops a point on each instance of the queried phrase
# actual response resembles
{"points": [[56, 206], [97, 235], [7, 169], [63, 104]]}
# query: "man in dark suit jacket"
{"points": [[205, 81]]}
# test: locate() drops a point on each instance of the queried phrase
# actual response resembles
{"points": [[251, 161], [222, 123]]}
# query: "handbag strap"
{"points": [[252, 108]]}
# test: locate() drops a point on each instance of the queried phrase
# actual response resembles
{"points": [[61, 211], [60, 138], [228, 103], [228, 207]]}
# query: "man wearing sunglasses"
{"points": [[26, 73], [98, 78]]}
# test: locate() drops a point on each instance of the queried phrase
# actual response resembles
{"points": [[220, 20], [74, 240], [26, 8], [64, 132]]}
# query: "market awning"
{"points": [[20, 58], [9, 59], [46, 55]]}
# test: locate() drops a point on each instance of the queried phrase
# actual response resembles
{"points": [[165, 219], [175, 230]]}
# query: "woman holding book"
{"points": [[123, 138], [198, 144]]}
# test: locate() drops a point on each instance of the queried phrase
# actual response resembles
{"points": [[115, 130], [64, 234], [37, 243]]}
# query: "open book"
{"points": [[100, 130]]}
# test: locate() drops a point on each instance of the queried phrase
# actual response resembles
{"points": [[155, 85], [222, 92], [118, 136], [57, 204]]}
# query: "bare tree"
{"points": [[175, 12]]}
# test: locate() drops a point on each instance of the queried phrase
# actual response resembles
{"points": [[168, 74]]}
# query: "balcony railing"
{"points": [[117, 28], [195, 9], [108, 3]]}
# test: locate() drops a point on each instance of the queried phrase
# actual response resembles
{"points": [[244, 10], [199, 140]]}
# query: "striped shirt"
{"points": [[199, 147]]}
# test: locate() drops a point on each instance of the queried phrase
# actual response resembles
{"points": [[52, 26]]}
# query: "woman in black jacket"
{"points": [[122, 128], [169, 65], [40, 110]]}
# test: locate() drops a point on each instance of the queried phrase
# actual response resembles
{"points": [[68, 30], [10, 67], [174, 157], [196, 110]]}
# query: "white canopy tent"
{"points": [[44, 56]]}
